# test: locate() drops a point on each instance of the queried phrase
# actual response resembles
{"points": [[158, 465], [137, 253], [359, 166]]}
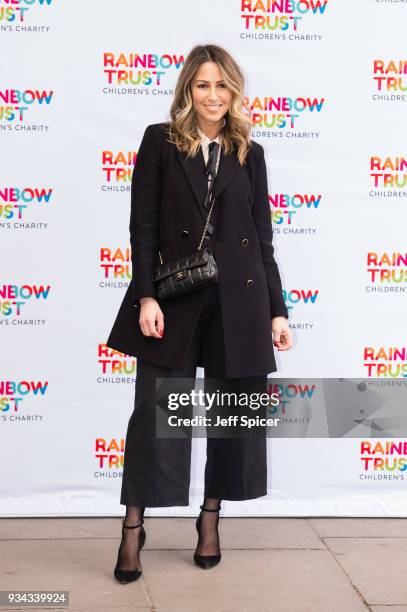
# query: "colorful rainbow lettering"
{"points": [[16, 102], [293, 297], [387, 456], [12, 393], [389, 172], [384, 362], [14, 200], [110, 453], [390, 75], [282, 205], [18, 13], [288, 110], [116, 262], [115, 362], [118, 167], [286, 393], [14, 297], [281, 15], [119, 67], [387, 267]]}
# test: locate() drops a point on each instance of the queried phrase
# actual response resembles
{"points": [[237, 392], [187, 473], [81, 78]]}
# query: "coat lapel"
{"points": [[194, 168]]}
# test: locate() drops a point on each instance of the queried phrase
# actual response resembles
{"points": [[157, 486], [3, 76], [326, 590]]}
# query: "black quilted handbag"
{"points": [[188, 273]]}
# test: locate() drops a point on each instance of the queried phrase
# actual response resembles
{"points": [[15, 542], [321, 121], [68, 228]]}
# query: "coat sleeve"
{"points": [[144, 216], [262, 219]]}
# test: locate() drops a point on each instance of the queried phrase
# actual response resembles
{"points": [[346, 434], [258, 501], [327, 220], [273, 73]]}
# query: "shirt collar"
{"points": [[204, 138]]}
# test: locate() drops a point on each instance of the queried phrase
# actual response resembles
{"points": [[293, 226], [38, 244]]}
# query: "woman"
{"points": [[227, 327]]}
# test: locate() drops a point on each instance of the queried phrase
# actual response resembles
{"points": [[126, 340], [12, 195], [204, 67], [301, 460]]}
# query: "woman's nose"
{"points": [[212, 94]]}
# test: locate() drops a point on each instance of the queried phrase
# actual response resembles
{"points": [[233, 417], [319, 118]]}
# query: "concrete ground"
{"points": [[268, 564]]}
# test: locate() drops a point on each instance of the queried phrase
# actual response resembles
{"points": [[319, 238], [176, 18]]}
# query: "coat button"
{"points": [[249, 282], [244, 242], [185, 233]]}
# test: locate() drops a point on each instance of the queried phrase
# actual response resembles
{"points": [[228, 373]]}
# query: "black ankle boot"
{"points": [[206, 561], [125, 576]]}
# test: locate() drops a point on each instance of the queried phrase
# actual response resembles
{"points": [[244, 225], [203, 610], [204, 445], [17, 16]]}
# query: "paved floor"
{"points": [[268, 564]]}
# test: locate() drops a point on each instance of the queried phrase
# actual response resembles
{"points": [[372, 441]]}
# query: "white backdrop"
{"points": [[64, 398]]}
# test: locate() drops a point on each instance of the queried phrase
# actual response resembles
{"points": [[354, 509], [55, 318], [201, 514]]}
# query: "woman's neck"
{"points": [[211, 130]]}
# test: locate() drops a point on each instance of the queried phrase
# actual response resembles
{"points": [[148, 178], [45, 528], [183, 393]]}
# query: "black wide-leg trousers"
{"points": [[156, 470]]}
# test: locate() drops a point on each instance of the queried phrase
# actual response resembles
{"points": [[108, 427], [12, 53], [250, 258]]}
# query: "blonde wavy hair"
{"points": [[183, 125]]}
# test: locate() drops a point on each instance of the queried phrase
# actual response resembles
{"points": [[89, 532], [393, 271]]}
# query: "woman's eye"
{"points": [[204, 85]]}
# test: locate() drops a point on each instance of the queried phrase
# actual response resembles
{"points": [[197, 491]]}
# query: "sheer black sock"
{"points": [[208, 540], [129, 553]]}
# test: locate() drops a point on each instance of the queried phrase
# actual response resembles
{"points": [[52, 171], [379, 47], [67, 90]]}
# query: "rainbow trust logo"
{"points": [[117, 169], [286, 208], [109, 455], [15, 15], [384, 460], [387, 272], [115, 264], [145, 70], [390, 362], [18, 300], [388, 176], [288, 393], [115, 366], [269, 18], [17, 105], [283, 114], [390, 79], [305, 298], [12, 395], [293, 297], [17, 203]]}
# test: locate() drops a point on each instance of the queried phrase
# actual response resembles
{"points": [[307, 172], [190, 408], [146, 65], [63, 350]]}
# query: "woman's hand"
{"points": [[282, 337], [151, 318]]}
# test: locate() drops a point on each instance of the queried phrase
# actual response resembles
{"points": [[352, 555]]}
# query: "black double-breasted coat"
{"points": [[166, 215]]}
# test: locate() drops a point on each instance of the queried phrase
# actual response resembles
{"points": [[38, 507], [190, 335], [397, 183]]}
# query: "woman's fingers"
{"points": [[282, 337], [282, 340], [151, 328], [160, 322], [151, 320], [147, 325]]}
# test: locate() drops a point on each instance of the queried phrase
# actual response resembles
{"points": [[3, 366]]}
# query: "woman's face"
{"points": [[210, 95]]}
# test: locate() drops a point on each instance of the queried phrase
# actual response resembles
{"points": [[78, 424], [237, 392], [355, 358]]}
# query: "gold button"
{"points": [[249, 282], [244, 242]]}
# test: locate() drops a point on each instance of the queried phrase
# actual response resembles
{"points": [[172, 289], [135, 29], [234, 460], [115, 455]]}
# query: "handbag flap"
{"points": [[195, 260]]}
